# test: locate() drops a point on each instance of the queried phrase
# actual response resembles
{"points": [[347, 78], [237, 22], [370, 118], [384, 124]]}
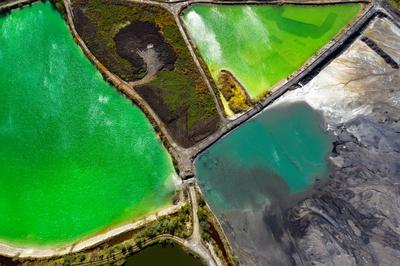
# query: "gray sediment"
{"points": [[388, 59], [354, 218]]}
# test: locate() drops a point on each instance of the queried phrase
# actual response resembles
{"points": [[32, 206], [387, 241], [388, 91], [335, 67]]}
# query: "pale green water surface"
{"points": [[263, 44]]}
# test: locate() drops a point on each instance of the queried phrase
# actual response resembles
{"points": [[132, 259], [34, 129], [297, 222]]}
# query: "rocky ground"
{"points": [[353, 219]]}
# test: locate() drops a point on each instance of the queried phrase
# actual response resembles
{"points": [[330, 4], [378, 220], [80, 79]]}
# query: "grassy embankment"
{"points": [[117, 250], [233, 92], [395, 3], [189, 103], [212, 233]]}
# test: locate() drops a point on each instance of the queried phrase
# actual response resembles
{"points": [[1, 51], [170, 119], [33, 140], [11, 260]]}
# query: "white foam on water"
{"points": [[203, 34], [108, 122], [177, 181], [256, 27], [276, 157], [217, 13], [103, 99], [323, 93]]}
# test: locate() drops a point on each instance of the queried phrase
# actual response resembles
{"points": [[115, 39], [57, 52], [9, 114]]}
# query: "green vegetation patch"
{"points": [[395, 3], [233, 92], [177, 94], [177, 225], [211, 232]]}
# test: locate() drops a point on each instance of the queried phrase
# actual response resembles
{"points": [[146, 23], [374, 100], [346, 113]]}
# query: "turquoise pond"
{"points": [[277, 154]]}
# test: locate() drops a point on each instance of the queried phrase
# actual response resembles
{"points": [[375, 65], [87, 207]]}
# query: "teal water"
{"points": [[76, 156], [277, 154]]}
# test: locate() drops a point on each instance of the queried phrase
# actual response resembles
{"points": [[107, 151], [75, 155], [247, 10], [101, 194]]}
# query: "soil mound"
{"points": [[141, 36]]}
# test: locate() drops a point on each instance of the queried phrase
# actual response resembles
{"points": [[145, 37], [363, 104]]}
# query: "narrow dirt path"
{"points": [[153, 65], [12, 4], [196, 227], [195, 242]]}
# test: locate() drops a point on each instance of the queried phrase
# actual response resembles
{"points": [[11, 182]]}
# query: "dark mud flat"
{"points": [[260, 169], [88, 31], [141, 42], [354, 219], [177, 120], [143, 36]]}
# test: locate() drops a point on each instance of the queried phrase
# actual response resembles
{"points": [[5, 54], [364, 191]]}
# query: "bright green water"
{"points": [[262, 45], [76, 157], [278, 153]]}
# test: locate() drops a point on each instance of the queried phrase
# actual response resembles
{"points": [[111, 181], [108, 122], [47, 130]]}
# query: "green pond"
{"points": [[76, 156], [263, 44], [277, 154], [163, 255]]}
